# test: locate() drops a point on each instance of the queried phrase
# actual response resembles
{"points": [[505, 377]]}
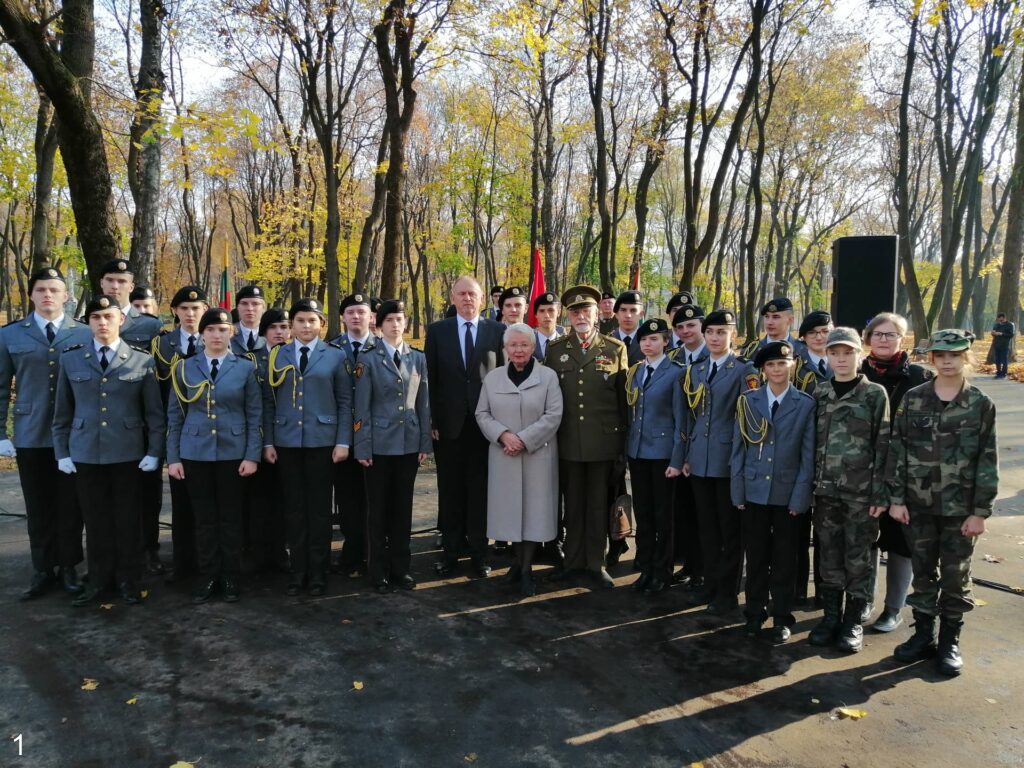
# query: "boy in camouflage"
{"points": [[942, 480], [849, 492]]}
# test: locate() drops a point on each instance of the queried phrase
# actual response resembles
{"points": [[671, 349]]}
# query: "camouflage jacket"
{"points": [[852, 443], [942, 458]]}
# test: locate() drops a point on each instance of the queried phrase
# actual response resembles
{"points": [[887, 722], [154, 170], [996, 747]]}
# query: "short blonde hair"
{"points": [[885, 317]]}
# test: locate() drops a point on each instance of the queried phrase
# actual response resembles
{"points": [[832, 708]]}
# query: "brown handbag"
{"points": [[620, 523]]}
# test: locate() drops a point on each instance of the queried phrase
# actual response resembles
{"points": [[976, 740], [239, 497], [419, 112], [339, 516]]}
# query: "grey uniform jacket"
{"points": [[111, 416], [392, 411], [540, 350], [27, 357], [780, 470], [312, 409], [657, 416], [139, 329], [682, 355], [225, 426], [709, 422], [239, 345], [167, 350]]}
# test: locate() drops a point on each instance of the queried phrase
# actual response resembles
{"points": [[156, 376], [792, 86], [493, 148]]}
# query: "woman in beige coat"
{"points": [[519, 411]]}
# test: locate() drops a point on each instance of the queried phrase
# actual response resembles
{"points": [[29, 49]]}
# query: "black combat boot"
{"points": [[921, 644], [825, 631], [851, 632], [949, 660]]}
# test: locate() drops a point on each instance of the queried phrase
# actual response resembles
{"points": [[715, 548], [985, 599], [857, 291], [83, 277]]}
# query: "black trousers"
{"points": [[183, 530], [215, 488], [770, 536], [307, 475], [462, 492], [586, 512], [391, 483], [353, 505], [52, 509], [152, 492], [266, 525], [721, 539], [687, 531], [806, 555], [109, 495], [652, 506]]}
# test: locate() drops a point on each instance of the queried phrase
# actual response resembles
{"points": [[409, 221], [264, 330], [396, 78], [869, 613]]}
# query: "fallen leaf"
{"points": [[88, 684], [470, 758], [991, 701], [182, 764], [696, 765], [133, 700], [852, 714], [358, 685], [106, 606], [979, 602], [144, 594], [992, 559]]}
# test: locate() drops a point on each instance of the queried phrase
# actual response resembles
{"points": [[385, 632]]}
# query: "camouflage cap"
{"points": [[845, 336], [951, 340]]}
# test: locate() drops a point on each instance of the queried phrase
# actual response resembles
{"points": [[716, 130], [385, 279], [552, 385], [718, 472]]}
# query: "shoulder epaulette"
{"points": [[144, 350], [73, 347], [336, 346], [672, 359], [559, 340], [14, 322], [165, 331]]}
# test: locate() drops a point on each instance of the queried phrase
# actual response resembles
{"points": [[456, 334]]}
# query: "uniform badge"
{"points": [[359, 370], [563, 359], [603, 360], [753, 381], [193, 295], [357, 425]]}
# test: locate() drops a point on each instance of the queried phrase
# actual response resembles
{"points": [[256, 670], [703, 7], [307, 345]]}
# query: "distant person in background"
{"points": [[606, 320], [1003, 334], [494, 311], [513, 305], [144, 300]]}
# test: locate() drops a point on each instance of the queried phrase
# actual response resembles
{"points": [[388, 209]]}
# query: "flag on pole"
{"points": [[537, 287], [635, 282], [225, 290]]}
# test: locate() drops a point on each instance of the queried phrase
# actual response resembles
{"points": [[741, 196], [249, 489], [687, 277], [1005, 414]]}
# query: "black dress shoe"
{"points": [[129, 593], [41, 583], [481, 570], [88, 596], [680, 578], [695, 584], [641, 584], [564, 574], [69, 580], [603, 579], [203, 592], [294, 587], [526, 585], [383, 586], [446, 567], [231, 591], [513, 576], [406, 582], [780, 634], [697, 597], [317, 589], [154, 565], [655, 586], [752, 628], [500, 547]]}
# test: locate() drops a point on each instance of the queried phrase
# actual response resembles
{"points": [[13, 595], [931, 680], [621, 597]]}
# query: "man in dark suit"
{"points": [[460, 351]]}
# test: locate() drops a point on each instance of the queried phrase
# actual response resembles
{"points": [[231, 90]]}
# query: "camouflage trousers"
{"points": [[941, 557], [845, 534]]}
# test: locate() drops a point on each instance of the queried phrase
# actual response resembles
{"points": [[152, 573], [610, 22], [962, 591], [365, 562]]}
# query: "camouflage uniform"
{"points": [[852, 441], [943, 467]]}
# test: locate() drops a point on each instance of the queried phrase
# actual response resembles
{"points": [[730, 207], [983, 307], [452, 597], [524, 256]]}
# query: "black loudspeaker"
{"points": [[863, 279]]}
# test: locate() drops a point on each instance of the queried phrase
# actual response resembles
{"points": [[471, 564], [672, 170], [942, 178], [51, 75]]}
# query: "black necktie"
{"points": [[469, 343], [213, 369], [103, 357], [355, 347], [303, 358], [775, 408], [191, 346], [251, 343], [650, 374], [822, 369], [49, 332], [398, 360], [627, 340], [714, 370]]}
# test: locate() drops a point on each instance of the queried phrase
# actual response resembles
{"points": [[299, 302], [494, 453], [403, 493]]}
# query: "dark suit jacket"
{"points": [[454, 391]]}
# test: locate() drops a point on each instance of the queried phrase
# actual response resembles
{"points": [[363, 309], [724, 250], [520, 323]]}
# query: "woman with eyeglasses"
{"points": [[890, 366]]}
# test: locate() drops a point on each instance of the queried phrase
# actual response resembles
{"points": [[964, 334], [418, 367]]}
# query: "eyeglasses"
{"points": [[887, 335], [821, 332]]}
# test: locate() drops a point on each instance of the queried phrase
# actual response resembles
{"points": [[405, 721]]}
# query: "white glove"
{"points": [[67, 466], [149, 463], [7, 449]]}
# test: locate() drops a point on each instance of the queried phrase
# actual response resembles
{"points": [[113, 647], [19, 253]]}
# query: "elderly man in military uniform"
{"points": [[513, 305], [591, 371], [251, 303], [108, 392], [118, 282], [777, 318], [606, 320], [629, 312], [546, 308], [30, 351]]}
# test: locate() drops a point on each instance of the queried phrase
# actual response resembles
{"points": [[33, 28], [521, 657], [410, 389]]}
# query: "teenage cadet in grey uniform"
{"points": [[350, 499], [251, 303], [143, 299], [546, 308], [513, 305], [772, 475], [678, 300], [108, 424], [777, 318], [629, 311], [117, 282], [392, 438], [711, 388], [30, 351], [308, 430], [654, 448], [187, 305], [213, 442]]}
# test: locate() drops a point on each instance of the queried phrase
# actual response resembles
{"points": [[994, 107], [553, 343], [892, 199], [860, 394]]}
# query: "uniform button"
{"points": [[300, 394], [213, 431], [300, 407], [213, 402], [767, 477], [401, 407], [299, 423], [581, 394], [52, 349], [581, 405], [769, 459], [53, 375], [103, 410], [213, 415], [103, 381], [103, 423], [581, 418], [103, 394], [581, 381], [51, 362]]}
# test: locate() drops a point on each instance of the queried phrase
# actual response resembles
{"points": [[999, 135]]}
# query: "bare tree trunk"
{"points": [[1009, 284], [46, 152]]}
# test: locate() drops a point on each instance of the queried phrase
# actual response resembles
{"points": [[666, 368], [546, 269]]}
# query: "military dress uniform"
{"points": [[213, 424], [591, 437], [139, 329], [392, 426], [308, 414], [30, 358], [107, 418]]}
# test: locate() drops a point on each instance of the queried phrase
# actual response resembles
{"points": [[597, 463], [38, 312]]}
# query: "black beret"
{"points": [[628, 297], [215, 316], [375, 303], [651, 327], [512, 292], [719, 317], [98, 304], [389, 307], [496, 289], [189, 293], [115, 267], [306, 305], [250, 292], [607, 295], [141, 292], [354, 300], [813, 320], [774, 350], [543, 300], [679, 299], [46, 273], [271, 316], [687, 312], [780, 304]]}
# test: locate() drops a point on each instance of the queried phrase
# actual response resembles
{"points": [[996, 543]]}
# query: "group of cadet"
{"points": [[729, 456]]}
